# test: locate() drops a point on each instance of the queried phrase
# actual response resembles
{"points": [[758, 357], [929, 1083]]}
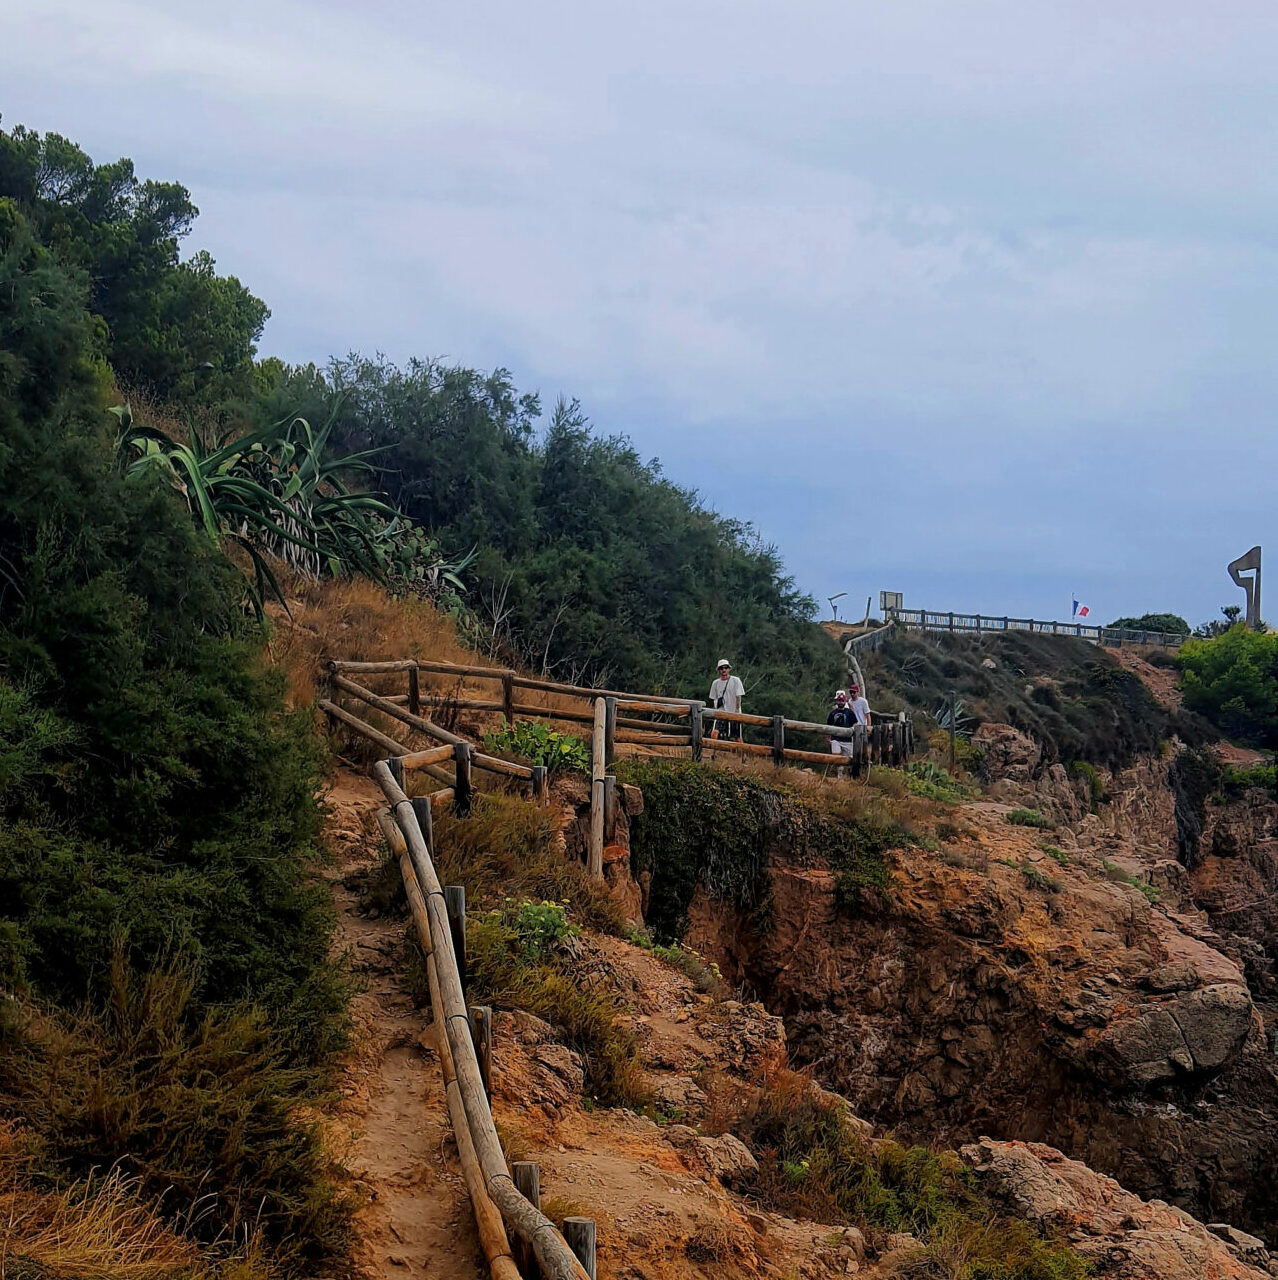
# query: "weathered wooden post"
{"points": [[858, 749], [414, 692], [425, 820], [481, 1030], [397, 770], [778, 739], [610, 731], [610, 809], [462, 786], [598, 771], [579, 1235], [455, 906], [508, 697], [527, 1178], [695, 724], [540, 784]]}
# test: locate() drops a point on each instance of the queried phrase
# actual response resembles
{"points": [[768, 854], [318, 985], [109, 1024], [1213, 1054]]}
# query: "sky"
{"points": [[974, 300]]}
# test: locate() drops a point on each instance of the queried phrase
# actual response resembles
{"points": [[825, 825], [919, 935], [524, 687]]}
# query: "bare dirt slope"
{"points": [[416, 1218]]}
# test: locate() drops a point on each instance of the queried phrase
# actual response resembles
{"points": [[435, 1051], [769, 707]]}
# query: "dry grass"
{"points": [[98, 1229]]}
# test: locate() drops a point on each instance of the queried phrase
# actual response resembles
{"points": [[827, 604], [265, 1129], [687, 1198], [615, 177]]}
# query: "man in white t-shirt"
{"points": [[726, 693], [860, 708]]}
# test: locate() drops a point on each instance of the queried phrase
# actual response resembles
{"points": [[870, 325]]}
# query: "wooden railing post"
{"points": [[414, 692], [540, 785], [610, 809], [462, 786], [481, 1030], [778, 739], [455, 906], [579, 1234], [610, 731], [695, 724], [425, 820], [508, 697], [397, 770], [527, 1177], [598, 771]]}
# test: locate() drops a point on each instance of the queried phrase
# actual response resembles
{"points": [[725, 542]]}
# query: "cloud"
{"points": [[1006, 264]]}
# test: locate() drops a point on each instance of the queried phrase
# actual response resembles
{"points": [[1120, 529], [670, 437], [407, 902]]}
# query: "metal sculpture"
{"points": [[1251, 586]]}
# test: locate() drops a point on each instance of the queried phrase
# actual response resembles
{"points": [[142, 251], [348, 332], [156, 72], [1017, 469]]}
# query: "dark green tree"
{"points": [[175, 329]]}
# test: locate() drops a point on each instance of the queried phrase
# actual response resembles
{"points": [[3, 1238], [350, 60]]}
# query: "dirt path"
{"points": [[416, 1218]]}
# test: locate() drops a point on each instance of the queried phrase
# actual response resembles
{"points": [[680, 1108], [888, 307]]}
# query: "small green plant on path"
{"points": [[930, 781], [1058, 855], [1030, 818], [542, 926], [1114, 872]]}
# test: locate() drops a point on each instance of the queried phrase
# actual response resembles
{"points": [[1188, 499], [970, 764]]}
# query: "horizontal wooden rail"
{"points": [[636, 736], [519, 681], [507, 767], [738, 717], [653, 708]]}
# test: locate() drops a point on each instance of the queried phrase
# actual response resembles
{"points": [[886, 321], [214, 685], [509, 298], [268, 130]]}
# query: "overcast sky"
{"points": [[973, 300]]}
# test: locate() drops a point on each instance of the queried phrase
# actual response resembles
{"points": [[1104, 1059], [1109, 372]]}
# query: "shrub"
{"points": [[1057, 855], [1168, 623], [507, 849], [714, 827], [813, 1162], [542, 926], [934, 783], [1232, 680], [503, 973], [535, 742], [199, 1106], [1095, 787], [1030, 818]]}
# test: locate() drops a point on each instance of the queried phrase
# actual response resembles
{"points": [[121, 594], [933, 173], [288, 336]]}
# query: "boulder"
{"points": [[1123, 1236], [725, 1157], [679, 1093], [1009, 753]]}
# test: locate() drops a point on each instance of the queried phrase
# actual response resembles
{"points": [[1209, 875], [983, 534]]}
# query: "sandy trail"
{"points": [[415, 1220]]}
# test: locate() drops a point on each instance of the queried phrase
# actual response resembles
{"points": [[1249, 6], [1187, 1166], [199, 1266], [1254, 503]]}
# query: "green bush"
{"points": [[1030, 818], [812, 1162], [1057, 855], [1232, 680], [536, 742], [703, 825], [542, 926], [199, 1104], [1095, 787], [1168, 623], [930, 781], [503, 973]]}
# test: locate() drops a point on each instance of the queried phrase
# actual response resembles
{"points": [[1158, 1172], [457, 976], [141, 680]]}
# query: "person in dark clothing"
{"points": [[841, 714]]}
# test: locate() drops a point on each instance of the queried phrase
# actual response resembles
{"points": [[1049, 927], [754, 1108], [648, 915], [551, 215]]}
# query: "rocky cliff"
{"points": [[1064, 987]]}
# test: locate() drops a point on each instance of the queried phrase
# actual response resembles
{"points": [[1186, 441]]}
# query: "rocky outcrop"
{"points": [[996, 991], [1121, 1235]]}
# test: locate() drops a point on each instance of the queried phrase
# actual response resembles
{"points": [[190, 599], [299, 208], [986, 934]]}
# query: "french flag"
{"points": [[1080, 610]]}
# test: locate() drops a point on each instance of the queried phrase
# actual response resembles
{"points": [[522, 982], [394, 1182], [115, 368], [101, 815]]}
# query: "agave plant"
{"points": [[280, 495]]}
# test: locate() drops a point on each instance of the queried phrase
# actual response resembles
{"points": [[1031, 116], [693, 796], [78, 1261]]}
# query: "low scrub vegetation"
{"points": [[514, 964], [507, 849], [814, 1163], [714, 827], [1072, 698], [1030, 818]]}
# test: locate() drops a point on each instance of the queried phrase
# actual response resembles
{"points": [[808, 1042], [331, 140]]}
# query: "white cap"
{"points": [[723, 662], [841, 693]]}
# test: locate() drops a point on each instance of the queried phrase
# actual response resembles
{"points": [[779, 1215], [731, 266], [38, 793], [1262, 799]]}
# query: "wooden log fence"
{"points": [[502, 1210], [680, 726], [504, 1214]]}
